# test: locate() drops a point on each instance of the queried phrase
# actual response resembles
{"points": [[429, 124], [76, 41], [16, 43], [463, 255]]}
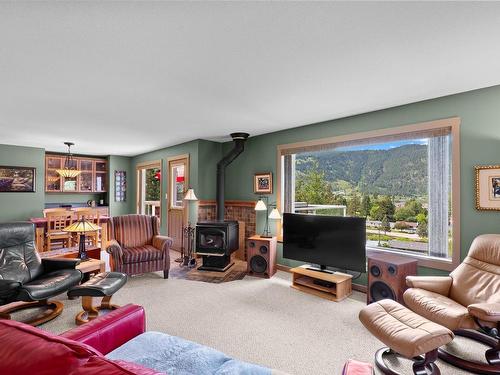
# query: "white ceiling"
{"points": [[126, 78]]}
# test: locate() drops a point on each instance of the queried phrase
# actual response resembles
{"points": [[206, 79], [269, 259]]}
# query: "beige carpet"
{"points": [[257, 320]]}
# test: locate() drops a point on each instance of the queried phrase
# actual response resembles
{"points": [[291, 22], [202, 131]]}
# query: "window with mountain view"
{"points": [[401, 184]]}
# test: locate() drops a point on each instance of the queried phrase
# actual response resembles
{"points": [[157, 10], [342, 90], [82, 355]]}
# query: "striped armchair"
{"points": [[137, 246]]}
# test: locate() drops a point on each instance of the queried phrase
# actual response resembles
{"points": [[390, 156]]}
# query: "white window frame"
{"points": [[452, 123], [140, 184]]}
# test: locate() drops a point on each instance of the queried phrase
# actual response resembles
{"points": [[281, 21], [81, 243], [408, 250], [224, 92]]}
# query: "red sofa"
{"points": [[79, 351]]}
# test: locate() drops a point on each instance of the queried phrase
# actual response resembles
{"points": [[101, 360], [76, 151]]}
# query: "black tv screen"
{"points": [[332, 241]]}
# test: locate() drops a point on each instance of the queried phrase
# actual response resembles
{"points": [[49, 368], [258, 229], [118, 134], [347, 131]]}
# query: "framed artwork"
{"points": [[488, 187], [263, 183], [120, 186], [17, 179]]}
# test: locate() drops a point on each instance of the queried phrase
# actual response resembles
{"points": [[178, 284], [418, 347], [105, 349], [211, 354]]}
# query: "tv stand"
{"points": [[334, 286], [320, 270]]}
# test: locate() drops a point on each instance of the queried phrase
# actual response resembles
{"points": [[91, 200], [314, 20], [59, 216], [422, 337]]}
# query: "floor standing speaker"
{"points": [[387, 276], [261, 256]]}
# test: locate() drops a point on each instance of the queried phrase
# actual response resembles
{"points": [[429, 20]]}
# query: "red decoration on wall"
{"points": [[158, 175], [179, 179]]}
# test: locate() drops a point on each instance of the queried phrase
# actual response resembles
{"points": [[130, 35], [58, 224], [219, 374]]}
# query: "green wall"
{"points": [[120, 163], [209, 154], [479, 111], [22, 206]]}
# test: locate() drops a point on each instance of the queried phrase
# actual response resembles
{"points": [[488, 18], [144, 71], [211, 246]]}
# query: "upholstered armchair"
{"points": [[466, 302], [137, 247], [27, 278]]}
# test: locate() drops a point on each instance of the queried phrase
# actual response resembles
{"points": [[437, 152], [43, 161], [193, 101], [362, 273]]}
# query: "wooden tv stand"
{"points": [[303, 279]]}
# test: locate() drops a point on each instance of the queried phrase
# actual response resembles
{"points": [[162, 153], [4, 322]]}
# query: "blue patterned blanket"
{"points": [[176, 356]]}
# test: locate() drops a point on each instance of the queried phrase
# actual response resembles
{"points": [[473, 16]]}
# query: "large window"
{"points": [[403, 181]]}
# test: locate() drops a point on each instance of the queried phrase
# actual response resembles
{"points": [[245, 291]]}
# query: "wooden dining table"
{"points": [[41, 231]]}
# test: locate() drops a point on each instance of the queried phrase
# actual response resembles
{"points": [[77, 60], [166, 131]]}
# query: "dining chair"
{"points": [[92, 215], [57, 220]]}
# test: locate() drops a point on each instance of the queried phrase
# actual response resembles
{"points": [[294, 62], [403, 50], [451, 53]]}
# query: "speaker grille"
{"points": [[375, 270], [258, 264], [380, 290]]}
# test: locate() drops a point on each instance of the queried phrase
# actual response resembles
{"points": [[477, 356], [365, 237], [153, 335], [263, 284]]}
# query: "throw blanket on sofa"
{"points": [[176, 356]]}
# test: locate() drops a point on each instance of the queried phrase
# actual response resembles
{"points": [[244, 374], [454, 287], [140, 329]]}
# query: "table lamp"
{"points": [[81, 227]]}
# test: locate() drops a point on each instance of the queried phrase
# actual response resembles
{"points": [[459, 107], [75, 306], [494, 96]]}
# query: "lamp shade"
{"points": [[68, 173], [275, 214], [82, 226], [190, 196], [260, 206]]}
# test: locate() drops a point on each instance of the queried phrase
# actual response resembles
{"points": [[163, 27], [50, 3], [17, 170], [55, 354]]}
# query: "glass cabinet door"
{"points": [[54, 162], [85, 179], [52, 181], [100, 166], [100, 183], [86, 165]]}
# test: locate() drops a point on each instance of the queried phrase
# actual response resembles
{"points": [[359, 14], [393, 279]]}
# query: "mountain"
{"points": [[397, 171]]}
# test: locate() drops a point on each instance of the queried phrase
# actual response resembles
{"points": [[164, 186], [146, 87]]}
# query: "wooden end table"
{"points": [[91, 266]]}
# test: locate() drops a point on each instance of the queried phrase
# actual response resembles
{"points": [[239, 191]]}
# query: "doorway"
{"points": [[178, 182]]}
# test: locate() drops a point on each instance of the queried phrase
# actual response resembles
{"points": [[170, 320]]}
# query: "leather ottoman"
{"points": [[101, 285], [405, 333]]}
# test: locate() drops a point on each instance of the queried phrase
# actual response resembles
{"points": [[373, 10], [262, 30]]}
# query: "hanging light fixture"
{"points": [[69, 169]]}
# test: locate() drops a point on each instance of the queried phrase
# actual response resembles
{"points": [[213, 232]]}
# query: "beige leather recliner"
{"points": [[466, 302]]}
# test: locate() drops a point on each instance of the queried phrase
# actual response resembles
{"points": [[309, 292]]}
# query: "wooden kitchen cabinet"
{"points": [[92, 179]]}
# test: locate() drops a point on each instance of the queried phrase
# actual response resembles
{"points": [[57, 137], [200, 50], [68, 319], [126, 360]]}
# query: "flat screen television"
{"points": [[327, 241]]}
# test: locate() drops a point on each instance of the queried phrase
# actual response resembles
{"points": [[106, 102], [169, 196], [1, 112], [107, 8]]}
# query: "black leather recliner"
{"points": [[25, 277]]}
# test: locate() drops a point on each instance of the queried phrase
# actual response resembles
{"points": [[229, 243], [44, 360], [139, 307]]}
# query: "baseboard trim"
{"points": [[357, 287]]}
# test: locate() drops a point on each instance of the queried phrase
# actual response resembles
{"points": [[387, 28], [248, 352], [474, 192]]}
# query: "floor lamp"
{"points": [[188, 232], [274, 215]]}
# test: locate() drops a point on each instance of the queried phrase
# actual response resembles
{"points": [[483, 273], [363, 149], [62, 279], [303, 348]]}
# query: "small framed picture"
{"points": [[17, 179], [488, 187], [263, 183]]}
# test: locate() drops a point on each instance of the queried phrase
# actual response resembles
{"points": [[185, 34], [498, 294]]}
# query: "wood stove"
{"points": [[217, 240]]}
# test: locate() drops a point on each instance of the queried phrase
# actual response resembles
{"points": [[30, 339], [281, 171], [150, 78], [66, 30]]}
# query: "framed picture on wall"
{"points": [[488, 187], [263, 183], [120, 186], [17, 179]]}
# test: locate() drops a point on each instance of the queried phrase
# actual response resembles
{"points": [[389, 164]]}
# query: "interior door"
{"points": [[178, 176]]}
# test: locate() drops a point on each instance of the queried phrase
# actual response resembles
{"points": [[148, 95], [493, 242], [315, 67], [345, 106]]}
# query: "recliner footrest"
{"points": [[101, 285], [406, 333]]}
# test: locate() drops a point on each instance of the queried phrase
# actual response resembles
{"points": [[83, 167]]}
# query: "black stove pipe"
{"points": [[239, 145]]}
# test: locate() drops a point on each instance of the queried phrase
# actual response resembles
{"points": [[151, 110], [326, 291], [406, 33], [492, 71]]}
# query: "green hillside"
{"points": [[399, 171]]}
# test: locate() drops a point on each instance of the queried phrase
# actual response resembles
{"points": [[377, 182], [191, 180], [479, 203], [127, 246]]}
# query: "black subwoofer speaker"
{"points": [[387, 276], [261, 256]]}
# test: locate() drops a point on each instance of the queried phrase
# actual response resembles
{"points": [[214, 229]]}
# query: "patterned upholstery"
{"points": [[141, 254], [137, 246], [135, 230]]}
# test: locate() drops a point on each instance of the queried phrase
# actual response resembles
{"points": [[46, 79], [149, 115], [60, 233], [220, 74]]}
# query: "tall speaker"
{"points": [[261, 256], [387, 276]]}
